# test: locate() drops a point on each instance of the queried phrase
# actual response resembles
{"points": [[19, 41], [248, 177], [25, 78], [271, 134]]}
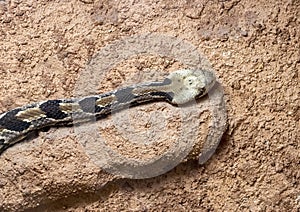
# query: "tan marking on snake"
{"points": [[105, 100], [69, 107], [30, 114]]}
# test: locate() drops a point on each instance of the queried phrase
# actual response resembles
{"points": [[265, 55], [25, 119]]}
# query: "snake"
{"points": [[178, 88]]}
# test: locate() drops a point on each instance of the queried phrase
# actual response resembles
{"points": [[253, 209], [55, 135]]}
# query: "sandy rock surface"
{"points": [[253, 47]]}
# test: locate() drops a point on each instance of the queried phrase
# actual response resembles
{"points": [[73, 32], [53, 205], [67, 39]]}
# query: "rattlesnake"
{"points": [[177, 88]]}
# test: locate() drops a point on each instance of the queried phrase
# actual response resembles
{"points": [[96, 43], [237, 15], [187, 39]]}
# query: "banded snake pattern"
{"points": [[177, 88]]}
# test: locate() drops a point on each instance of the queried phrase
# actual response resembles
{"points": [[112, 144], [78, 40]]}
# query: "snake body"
{"points": [[177, 88]]}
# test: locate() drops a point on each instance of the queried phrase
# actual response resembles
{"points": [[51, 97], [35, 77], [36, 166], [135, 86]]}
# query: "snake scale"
{"points": [[177, 88]]}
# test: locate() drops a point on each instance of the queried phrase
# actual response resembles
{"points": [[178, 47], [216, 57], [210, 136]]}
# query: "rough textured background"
{"points": [[254, 48]]}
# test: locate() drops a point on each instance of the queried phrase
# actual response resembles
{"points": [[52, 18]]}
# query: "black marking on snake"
{"points": [[11, 122], [167, 95], [2, 141], [88, 105], [201, 91], [52, 110], [125, 95]]}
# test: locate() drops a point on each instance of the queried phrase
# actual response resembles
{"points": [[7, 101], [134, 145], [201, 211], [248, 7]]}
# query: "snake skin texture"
{"points": [[178, 88]]}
